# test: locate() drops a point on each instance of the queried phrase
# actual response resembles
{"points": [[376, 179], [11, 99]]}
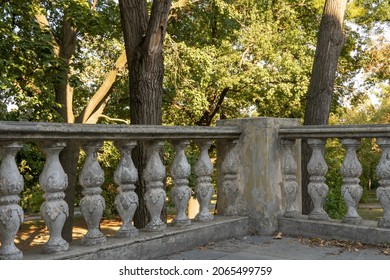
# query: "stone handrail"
{"points": [[53, 180], [62, 131], [335, 131], [351, 169]]}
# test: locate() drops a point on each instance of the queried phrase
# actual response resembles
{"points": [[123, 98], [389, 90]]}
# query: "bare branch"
{"points": [[93, 7], [115, 119], [104, 90], [94, 117]]}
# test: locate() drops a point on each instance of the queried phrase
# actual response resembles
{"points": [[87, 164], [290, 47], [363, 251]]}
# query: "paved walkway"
{"points": [[254, 247]]}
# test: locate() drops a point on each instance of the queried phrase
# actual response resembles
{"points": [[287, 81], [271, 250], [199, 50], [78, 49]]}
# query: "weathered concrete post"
{"points": [[204, 188], [181, 192], [317, 188], [92, 204], [383, 172], [154, 175], [54, 210], [259, 171], [290, 185], [11, 214], [351, 170], [126, 201]]}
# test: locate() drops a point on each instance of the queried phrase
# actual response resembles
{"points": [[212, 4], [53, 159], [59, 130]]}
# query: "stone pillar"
{"points": [[229, 183], [290, 184], [317, 188], [92, 204], [54, 210], [259, 171], [181, 192], [383, 172], [154, 175], [126, 201], [351, 170], [11, 214], [204, 188]]}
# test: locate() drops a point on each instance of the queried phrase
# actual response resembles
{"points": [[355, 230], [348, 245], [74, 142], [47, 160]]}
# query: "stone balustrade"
{"points": [[258, 172], [53, 137], [351, 169]]}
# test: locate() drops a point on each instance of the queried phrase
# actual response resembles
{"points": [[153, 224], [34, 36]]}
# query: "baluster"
{"points": [[351, 170], [289, 183], [92, 204], [229, 184], [126, 201], [54, 210], [204, 188], [383, 172], [11, 214], [181, 193], [154, 175], [317, 188]]}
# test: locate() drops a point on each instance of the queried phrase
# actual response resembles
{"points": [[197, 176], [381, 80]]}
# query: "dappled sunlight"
{"points": [[34, 233]]}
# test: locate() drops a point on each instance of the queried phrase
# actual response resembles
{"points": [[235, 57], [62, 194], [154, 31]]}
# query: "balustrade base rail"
{"points": [[152, 245], [366, 232]]}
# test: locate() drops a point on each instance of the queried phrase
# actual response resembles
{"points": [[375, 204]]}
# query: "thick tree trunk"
{"points": [[144, 37], [64, 96], [319, 96]]}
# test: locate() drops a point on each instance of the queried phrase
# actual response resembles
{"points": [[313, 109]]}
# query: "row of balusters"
{"points": [[351, 190], [54, 181]]}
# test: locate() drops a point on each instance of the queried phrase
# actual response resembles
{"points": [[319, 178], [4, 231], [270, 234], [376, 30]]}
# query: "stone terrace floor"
{"points": [[255, 247]]}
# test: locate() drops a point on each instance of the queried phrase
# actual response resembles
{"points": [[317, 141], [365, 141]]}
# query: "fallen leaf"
{"points": [[278, 235], [202, 248], [386, 251]]}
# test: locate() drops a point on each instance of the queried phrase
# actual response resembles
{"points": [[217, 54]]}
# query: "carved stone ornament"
{"points": [[92, 204], [11, 214], [383, 172], [126, 201], [204, 188], [181, 193], [351, 170], [317, 188], [54, 210], [290, 184], [154, 175], [229, 184]]}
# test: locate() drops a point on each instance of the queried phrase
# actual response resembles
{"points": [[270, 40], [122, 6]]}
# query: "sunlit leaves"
{"points": [[260, 51]]}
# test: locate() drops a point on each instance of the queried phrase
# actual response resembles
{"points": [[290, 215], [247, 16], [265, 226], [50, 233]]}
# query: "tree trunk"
{"points": [[64, 96], [319, 96], [144, 37]]}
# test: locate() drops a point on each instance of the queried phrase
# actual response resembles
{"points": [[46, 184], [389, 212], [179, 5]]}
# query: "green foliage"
{"points": [[334, 155], [109, 158], [259, 52], [30, 66], [31, 161]]}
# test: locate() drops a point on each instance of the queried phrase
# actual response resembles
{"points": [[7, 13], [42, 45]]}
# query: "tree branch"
{"points": [[94, 117], [115, 119], [104, 90], [45, 27], [207, 117], [219, 103], [93, 7]]}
